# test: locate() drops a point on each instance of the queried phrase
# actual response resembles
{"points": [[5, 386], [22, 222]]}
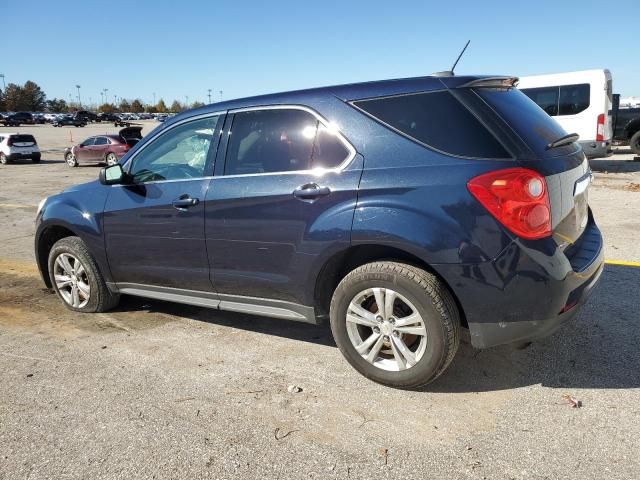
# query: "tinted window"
{"points": [[545, 97], [574, 98], [328, 150], [437, 120], [88, 142], [23, 139], [101, 141], [526, 118], [266, 141], [179, 153]]}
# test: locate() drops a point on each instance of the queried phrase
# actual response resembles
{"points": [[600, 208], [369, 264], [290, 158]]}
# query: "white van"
{"points": [[580, 102]]}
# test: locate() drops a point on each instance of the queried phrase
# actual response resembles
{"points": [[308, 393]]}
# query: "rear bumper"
{"points": [[529, 290], [593, 149], [18, 156]]}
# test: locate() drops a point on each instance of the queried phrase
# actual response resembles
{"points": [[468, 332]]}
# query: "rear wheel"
{"points": [[634, 143], [395, 323], [36, 159], [71, 160], [3, 159], [76, 278], [111, 159]]}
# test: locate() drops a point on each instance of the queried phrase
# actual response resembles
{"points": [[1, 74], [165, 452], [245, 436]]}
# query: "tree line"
{"points": [[31, 98]]}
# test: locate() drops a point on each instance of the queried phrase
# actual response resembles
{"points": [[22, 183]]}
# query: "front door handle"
{"points": [[184, 201], [311, 191]]}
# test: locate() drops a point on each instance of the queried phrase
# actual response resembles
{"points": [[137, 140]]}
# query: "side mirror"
{"points": [[112, 175]]}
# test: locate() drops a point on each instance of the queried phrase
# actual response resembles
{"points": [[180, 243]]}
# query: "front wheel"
{"points": [[71, 160], [395, 323], [76, 278], [634, 143]]}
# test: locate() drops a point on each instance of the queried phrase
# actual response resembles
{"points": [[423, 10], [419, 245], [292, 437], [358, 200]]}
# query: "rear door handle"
{"points": [[311, 191], [185, 201]]}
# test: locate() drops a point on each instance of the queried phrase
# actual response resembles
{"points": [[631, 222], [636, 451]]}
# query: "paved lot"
{"points": [[160, 390]]}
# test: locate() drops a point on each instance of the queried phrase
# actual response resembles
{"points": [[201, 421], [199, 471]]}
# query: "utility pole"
{"points": [[186, 102], [209, 94], [154, 99], [220, 95], [79, 101], [4, 84]]}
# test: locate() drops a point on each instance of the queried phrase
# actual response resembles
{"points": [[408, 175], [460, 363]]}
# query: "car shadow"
{"points": [[597, 349], [615, 166]]}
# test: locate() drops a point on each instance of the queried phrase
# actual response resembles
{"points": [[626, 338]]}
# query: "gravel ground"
{"points": [[159, 390]]}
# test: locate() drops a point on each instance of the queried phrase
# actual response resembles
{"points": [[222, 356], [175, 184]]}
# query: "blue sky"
{"points": [[182, 48]]}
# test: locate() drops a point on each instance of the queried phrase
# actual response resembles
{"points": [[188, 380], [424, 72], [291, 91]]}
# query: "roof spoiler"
{"points": [[492, 82]]}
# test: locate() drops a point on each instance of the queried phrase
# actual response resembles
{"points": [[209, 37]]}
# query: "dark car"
{"points": [[103, 148], [68, 120], [17, 119], [403, 211], [626, 123], [107, 117], [86, 116]]}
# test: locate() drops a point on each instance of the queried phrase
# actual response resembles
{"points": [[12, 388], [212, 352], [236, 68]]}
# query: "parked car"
{"points": [[162, 117], [627, 128], [68, 120], [107, 117], [18, 146], [17, 119], [401, 210], [86, 116], [580, 102], [38, 118], [103, 148]]}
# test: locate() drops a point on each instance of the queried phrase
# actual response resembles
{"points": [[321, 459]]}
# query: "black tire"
{"points": [[35, 159], [434, 303], [71, 160], [4, 159], [100, 298], [634, 143]]}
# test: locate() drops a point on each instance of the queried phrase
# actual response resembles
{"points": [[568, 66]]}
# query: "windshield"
{"points": [[528, 120]]}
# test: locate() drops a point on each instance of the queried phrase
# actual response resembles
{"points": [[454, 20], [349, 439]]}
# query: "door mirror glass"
{"points": [[112, 175]]}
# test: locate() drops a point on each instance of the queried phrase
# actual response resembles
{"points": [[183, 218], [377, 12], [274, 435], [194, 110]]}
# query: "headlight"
{"points": [[41, 204]]}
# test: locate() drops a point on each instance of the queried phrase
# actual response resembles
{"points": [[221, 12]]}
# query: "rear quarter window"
{"points": [[436, 120]]}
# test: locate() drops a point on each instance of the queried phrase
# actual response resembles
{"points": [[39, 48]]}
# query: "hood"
{"points": [[83, 186]]}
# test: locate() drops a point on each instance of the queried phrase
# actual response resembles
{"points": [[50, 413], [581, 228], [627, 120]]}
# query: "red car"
{"points": [[103, 148]]}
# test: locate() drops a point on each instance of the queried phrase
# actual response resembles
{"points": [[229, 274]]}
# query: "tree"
{"points": [[161, 107], [2, 105], [56, 105], [150, 109], [124, 106], [136, 106], [13, 98], [176, 107], [107, 108], [33, 96], [197, 104]]}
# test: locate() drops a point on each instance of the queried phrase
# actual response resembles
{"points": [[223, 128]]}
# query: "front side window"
{"points": [[437, 120], [88, 142], [180, 153]]}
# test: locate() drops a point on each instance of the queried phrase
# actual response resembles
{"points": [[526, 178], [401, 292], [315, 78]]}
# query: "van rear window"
{"points": [[437, 120]]}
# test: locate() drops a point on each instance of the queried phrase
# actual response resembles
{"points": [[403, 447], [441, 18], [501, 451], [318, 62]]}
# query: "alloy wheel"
{"points": [[386, 329], [71, 280]]}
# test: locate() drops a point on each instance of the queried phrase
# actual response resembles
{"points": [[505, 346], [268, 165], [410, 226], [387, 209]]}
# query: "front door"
{"points": [[282, 199], [83, 151], [154, 227]]}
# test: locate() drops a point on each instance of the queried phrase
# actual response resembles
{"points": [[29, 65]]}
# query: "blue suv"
{"points": [[400, 210]]}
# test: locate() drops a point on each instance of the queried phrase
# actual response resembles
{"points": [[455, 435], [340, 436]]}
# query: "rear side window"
{"points": [[436, 120], [281, 140], [561, 100], [101, 141], [23, 139]]}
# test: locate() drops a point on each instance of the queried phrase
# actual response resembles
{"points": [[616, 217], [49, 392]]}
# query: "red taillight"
{"points": [[9, 142], [126, 147], [600, 128], [517, 198]]}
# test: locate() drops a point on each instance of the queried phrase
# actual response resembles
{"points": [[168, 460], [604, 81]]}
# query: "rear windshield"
{"points": [[23, 139], [437, 120], [528, 120]]}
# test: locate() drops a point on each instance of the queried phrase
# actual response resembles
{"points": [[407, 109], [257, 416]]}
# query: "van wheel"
{"points": [[76, 278], [395, 323], [634, 143]]}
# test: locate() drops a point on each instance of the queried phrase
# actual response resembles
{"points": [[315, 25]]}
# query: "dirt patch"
{"points": [[632, 187]]}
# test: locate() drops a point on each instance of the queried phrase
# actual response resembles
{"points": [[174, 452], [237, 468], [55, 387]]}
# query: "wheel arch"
{"points": [[343, 262], [45, 240]]}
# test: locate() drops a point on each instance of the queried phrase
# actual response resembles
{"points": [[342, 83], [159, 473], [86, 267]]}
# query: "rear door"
{"points": [[283, 195], [99, 149]]}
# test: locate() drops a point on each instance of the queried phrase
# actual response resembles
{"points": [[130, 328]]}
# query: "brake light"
{"points": [[517, 198], [600, 128], [126, 147]]}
